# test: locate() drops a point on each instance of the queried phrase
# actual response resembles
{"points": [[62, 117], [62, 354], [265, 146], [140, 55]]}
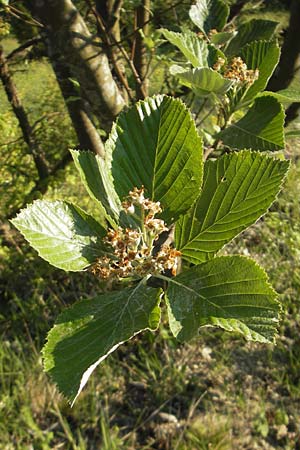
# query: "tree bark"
{"points": [[86, 61], [12, 94], [86, 132], [140, 59]]}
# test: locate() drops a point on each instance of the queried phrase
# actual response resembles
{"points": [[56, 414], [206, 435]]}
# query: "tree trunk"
{"points": [[140, 59], [12, 94], [87, 134], [290, 52], [84, 57]]}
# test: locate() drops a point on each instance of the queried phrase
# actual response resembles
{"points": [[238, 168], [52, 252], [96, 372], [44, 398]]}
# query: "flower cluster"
{"points": [[132, 249], [237, 71], [219, 63]]}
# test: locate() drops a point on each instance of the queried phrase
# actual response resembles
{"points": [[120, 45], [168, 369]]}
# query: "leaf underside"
{"points": [[260, 129], [237, 189], [156, 144], [85, 334], [205, 81], [62, 234], [230, 292], [191, 46], [209, 14]]}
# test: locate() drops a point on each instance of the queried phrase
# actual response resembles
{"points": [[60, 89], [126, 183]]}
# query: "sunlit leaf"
{"points": [[62, 233], [85, 334], [261, 55], [237, 189], [96, 176], [209, 14], [156, 144], [204, 81], [221, 38], [195, 49], [230, 292], [260, 129]]}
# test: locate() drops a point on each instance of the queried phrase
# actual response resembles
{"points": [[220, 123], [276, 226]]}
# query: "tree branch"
{"points": [[140, 52], [24, 46], [11, 91]]}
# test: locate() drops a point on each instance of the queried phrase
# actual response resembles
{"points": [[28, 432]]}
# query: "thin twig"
{"points": [[125, 38], [12, 142], [109, 36], [22, 47], [47, 116], [18, 14]]}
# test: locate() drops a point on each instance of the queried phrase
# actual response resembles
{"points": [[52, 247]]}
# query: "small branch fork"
{"points": [[109, 39]]}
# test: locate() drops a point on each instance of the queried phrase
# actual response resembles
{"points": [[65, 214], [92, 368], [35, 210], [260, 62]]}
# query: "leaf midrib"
{"points": [[156, 150], [252, 134], [203, 231]]}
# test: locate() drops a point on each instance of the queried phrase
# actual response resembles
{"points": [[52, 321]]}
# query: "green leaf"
{"points": [[62, 234], [193, 48], [285, 95], [264, 56], [260, 129], [85, 334], [231, 292], [204, 81], [156, 144], [292, 134], [237, 189], [96, 176], [221, 38], [254, 30], [209, 14]]}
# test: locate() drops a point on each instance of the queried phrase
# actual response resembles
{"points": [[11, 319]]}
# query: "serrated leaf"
{"points": [[209, 14], [193, 48], [96, 176], [237, 189], [231, 292], [254, 30], [85, 334], [260, 129], [156, 144], [264, 56], [204, 81], [284, 96], [62, 233]]}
